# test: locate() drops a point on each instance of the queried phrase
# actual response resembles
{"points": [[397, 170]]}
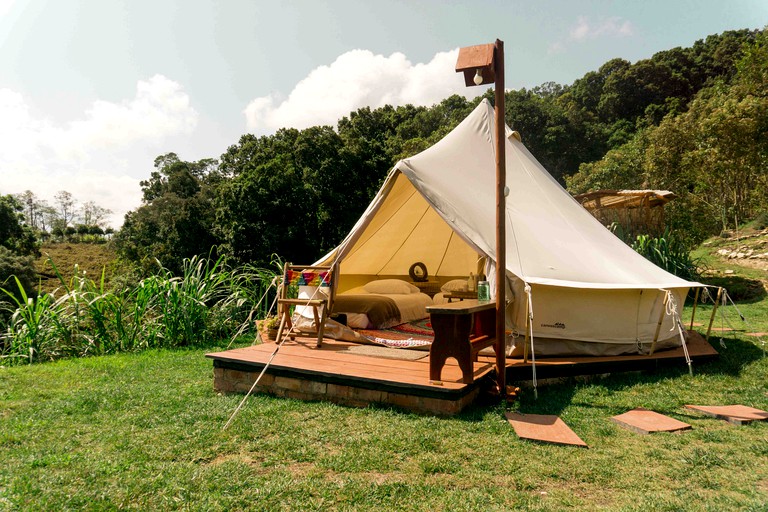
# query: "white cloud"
{"points": [[92, 157], [20, 133], [5, 7], [613, 26], [585, 29], [159, 109], [357, 79]]}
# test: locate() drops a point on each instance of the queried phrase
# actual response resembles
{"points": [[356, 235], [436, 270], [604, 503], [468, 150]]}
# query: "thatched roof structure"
{"points": [[636, 211]]}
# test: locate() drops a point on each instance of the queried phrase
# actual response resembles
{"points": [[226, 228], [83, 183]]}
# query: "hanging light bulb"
{"points": [[478, 77]]}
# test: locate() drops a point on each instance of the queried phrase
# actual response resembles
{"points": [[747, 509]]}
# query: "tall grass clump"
{"points": [[27, 334], [208, 302], [668, 252]]}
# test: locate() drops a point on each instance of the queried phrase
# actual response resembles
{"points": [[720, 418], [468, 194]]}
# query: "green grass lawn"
{"points": [[144, 432]]}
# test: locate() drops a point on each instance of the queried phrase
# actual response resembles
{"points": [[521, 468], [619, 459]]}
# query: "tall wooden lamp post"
{"points": [[484, 64]]}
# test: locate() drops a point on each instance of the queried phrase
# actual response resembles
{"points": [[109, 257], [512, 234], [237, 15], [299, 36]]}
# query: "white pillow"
{"points": [[457, 285], [390, 287]]}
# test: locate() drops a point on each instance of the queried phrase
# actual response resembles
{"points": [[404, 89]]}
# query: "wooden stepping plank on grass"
{"points": [[736, 414], [543, 427], [644, 421]]}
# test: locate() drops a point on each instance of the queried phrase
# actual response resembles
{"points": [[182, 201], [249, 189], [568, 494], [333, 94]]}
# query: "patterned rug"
{"points": [[411, 335], [387, 352]]}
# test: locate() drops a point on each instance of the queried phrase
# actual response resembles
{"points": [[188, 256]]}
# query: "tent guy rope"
{"points": [[334, 265], [671, 310], [266, 366]]}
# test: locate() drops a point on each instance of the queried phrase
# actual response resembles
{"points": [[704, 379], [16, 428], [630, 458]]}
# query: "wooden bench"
{"points": [[462, 329]]}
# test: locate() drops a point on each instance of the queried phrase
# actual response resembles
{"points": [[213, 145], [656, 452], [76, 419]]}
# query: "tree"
{"points": [[620, 168], [713, 155], [17, 246], [31, 206], [266, 207], [93, 214], [67, 206], [420, 127], [176, 218], [48, 217], [15, 235]]}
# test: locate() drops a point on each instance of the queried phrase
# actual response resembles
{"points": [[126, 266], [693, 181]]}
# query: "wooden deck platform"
{"points": [[336, 373]]}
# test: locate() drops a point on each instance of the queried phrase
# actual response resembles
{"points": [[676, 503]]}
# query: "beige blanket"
{"points": [[381, 310]]}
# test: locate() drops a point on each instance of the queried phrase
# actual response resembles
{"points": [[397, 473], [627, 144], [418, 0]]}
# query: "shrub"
{"points": [[761, 221], [668, 252], [21, 267]]}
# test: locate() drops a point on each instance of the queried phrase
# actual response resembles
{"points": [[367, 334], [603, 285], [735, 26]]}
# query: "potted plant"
{"points": [[268, 328]]}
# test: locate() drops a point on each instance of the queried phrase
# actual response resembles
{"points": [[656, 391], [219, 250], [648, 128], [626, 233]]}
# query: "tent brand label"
{"points": [[558, 325]]}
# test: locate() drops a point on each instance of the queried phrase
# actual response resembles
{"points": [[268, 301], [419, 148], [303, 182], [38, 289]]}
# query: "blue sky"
{"points": [[91, 91]]}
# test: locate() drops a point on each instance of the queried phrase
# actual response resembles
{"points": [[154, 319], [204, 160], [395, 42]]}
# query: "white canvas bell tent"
{"points": [[589, 292]]}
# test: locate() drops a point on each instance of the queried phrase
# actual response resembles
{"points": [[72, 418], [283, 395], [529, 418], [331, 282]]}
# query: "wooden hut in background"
{"points": [[636, 212]]}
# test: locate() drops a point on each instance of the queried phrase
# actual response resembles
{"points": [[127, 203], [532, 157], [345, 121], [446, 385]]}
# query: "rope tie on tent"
{"points": [[339, 251], [269, 362], [671, 310], [255, 383], [530, 333]]}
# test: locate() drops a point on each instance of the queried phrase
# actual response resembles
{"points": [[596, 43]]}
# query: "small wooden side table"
{"points": [[462, 329]]}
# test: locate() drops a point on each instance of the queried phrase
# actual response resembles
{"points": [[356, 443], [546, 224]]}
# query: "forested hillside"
{"points": [[691, 120]]}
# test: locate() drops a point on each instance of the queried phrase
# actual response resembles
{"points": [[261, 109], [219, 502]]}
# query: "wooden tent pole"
{"points": [[501, 260], [480, 65], [695, 302], [714, 310]]}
